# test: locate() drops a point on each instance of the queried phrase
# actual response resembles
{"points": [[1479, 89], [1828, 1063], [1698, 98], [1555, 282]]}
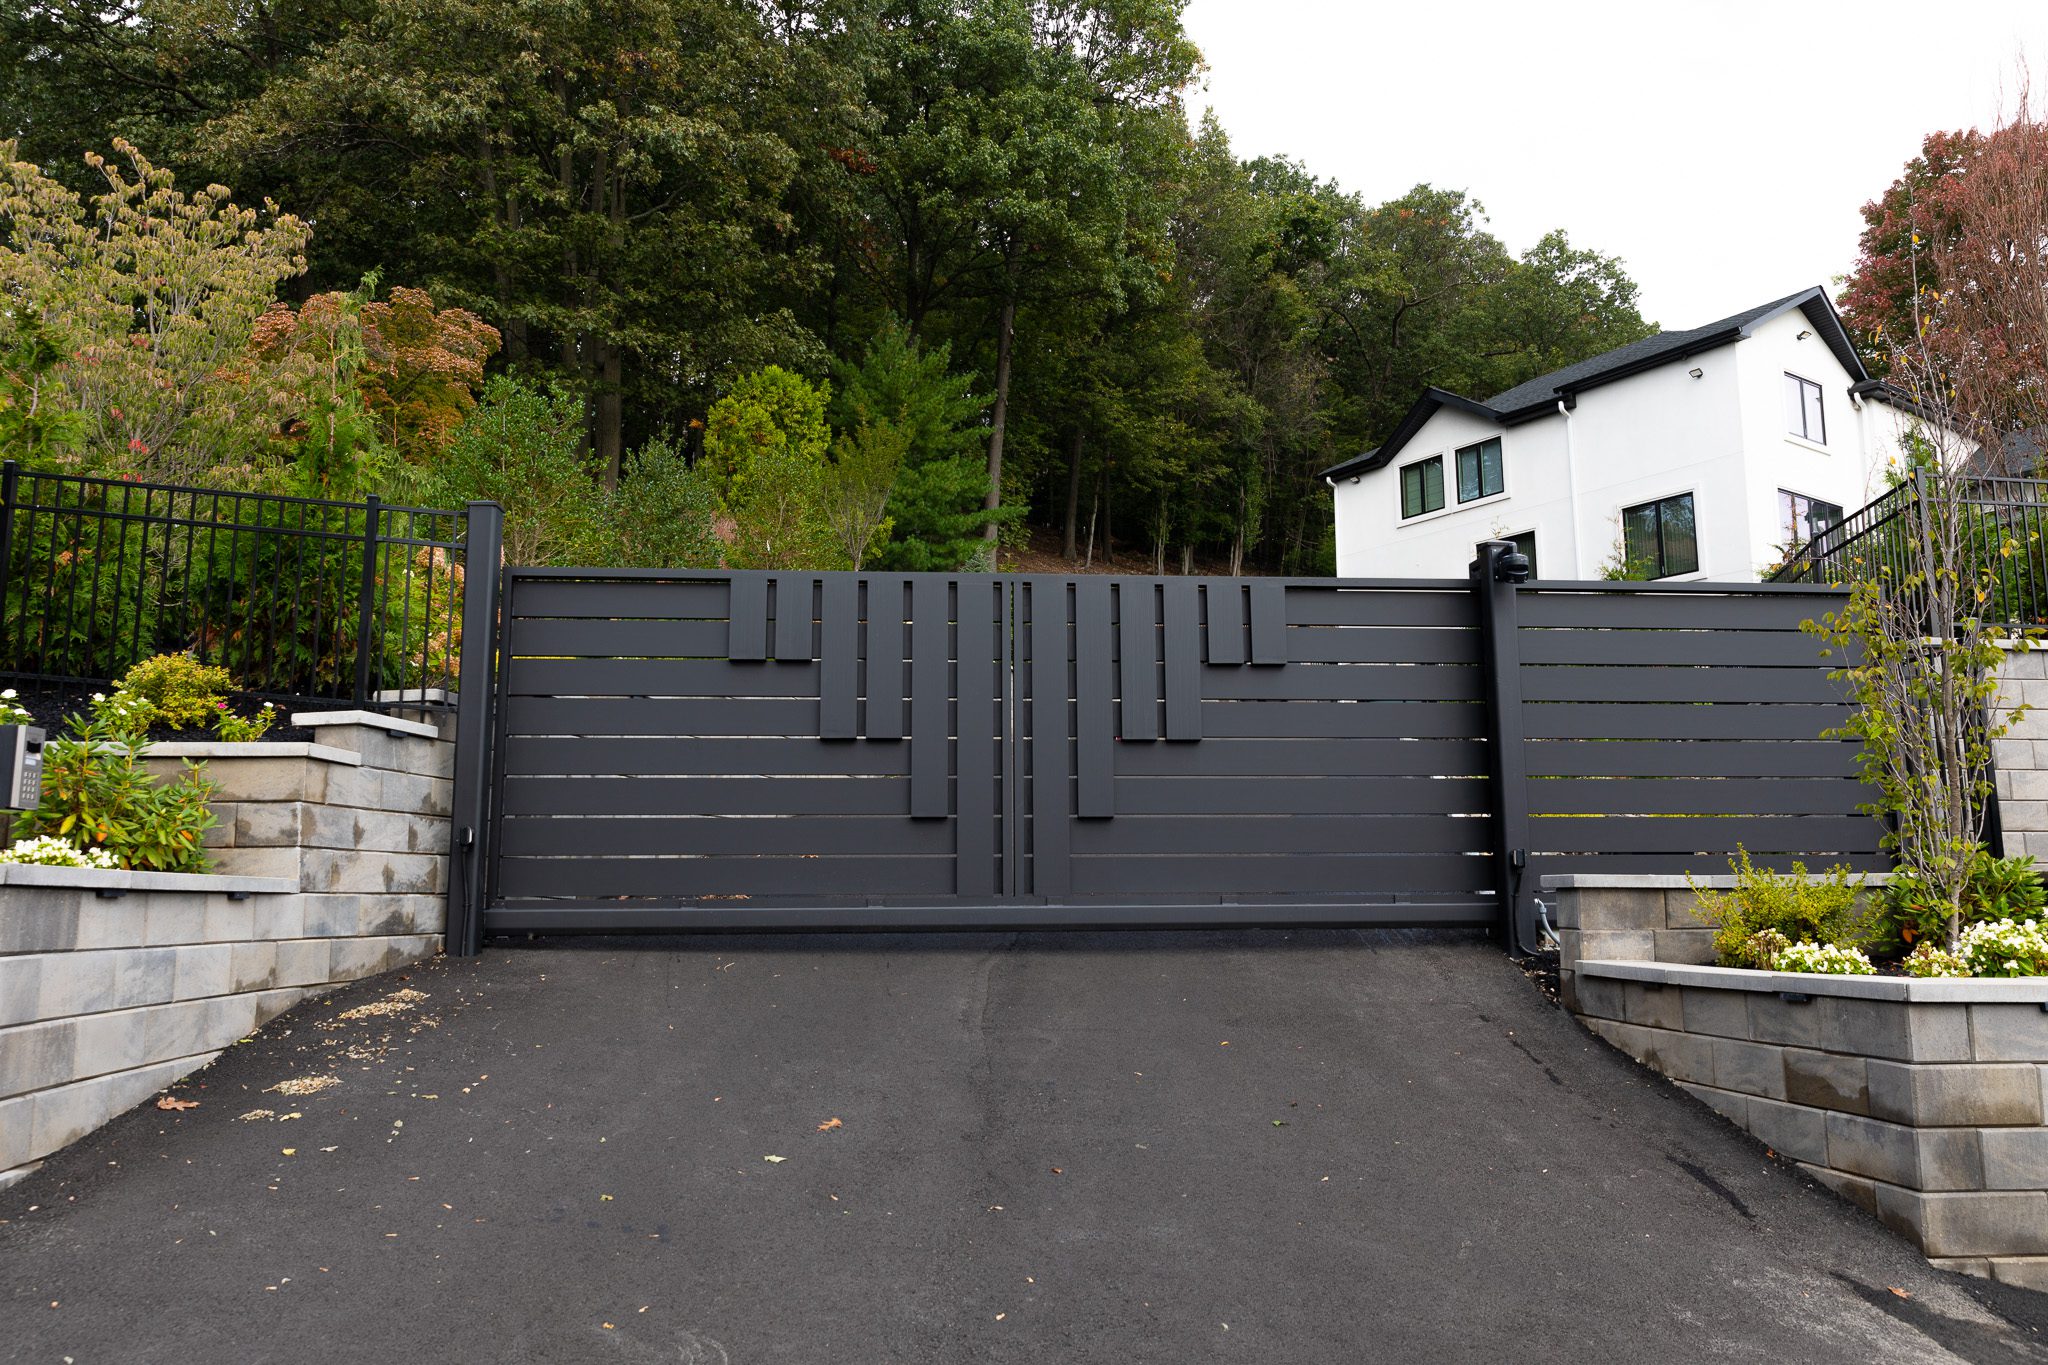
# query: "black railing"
{"points": [[300, 599], [2004, 529]]}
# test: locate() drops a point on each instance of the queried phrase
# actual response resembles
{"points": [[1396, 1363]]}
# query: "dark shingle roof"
{"points": [[1541, 395]]}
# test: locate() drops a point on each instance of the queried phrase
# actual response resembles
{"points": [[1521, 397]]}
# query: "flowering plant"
{"points": [[1823, 958], [45, 851], [12, 712], [2016, 947], [1928, 960], [236, 729]]}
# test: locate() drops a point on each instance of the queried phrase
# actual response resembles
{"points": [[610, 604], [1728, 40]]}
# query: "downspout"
{"points": [[1571, 487]]}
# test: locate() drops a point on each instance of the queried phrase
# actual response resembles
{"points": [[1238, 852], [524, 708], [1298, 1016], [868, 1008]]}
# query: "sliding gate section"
{"points": [[803, 750]]}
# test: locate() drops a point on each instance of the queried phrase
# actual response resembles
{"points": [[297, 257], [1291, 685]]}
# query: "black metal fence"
{"points": [[2005, 539], [300, 599]]}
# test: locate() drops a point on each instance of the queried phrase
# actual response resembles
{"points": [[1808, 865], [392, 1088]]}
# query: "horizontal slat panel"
{"points": [[1344, 682], [707, 796], [1751, 648], [1303, 795], [739, 836], [1810, 686], [1696, 796], [1672, 611], [1309, 608], [1761, 834], [1621, 720], [546, 597], [1337, 720], [1261, 835], [1292, 872], [1384, 645], [658, 677], [1697, 758], [1695, 864], [618, 639], [592, 877], [662, 913], [1305, 758], [637, 716], [601, 756]]}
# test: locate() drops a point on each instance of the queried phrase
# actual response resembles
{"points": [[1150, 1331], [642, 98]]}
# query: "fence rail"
{"points": [[2005, 537], [301, 599]]}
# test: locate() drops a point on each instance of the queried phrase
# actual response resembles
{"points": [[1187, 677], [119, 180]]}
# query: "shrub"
{"points": [[1819, 911], [234, 729], [182, 692], [44, 851], [1825, 959], [1928, 960], [98, 796], [1759, 950], [1998, 888], [2006, 948]]}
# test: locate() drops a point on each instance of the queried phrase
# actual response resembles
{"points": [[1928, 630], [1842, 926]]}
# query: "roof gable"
{"points": [[1540, 396]]}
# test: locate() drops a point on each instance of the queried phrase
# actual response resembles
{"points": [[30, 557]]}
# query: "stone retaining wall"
{"points": [[330, 865], [2021, 758], [1924, 1101]]}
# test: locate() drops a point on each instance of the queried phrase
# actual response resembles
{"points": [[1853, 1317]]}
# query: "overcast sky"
{"points": [[1722, 149]]}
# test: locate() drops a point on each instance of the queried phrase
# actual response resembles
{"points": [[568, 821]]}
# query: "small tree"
{"points": [[865, 462], [764, 448], [523, 448]]}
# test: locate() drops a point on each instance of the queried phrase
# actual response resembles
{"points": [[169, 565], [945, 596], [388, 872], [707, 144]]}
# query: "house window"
{"points": [[1802, 518], [1422, 486], [1479, 470], [1803, 414], [1525, 546], [1659, 539]]}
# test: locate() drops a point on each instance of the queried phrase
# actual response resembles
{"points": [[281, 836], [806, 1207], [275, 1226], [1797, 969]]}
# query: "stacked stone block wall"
{"points": [[2021, 758]]}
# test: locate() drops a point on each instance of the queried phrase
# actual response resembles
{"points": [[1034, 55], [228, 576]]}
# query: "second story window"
{"points": [[1479, 474], [1803, 414], [1422, 487], [1659, 539], [1802, 518]]}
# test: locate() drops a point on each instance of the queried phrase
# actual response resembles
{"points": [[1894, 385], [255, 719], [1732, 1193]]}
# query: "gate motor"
{"points": [[21, 767]]}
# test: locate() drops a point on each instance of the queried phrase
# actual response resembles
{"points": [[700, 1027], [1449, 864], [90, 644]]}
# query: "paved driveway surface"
{"points": [[1157, 1147]]}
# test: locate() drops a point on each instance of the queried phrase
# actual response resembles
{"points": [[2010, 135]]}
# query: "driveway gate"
{"points": [[871, 750], [672, 750]]}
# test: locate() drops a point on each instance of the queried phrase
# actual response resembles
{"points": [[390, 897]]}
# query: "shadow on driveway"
{"points": [[1312, 1146]]}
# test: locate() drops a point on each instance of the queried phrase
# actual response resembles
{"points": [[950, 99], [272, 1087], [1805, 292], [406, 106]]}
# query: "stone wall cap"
{"points": [[1914, 990], [369, 718], [416, 696], [262, 748], [1665, 881], [103, 879]]}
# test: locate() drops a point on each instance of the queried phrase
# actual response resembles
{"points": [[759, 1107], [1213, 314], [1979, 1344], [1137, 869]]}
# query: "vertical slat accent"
{"points": [[793, 603], [1269, 623], [1010, 653], [885, 658], [974, 839], [839, 666], [1183, 659], [747, 640], [1050, 874], [1499, 627], [1095, 697], [1226, 622], [1138, 682], [929, 733]]}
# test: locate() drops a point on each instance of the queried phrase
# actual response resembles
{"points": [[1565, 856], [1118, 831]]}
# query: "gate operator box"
{"points": [[21, 767]]}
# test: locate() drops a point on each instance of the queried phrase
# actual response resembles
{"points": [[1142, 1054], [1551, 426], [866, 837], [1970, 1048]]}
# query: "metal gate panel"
{"points": [[869, 750]]}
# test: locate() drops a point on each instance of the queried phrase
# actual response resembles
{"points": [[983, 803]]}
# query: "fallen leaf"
{"points": [[1904, 1294], [1059, 1170], [604, 1199], [173, 1102], [778, 1160], [829, 1124], [609, 1328], [1279, 1123], [1001, 1316], [1224, 1043], [289, 1151]]}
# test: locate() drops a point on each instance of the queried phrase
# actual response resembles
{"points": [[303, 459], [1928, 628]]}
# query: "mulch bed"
{"points": [[54, 704]]}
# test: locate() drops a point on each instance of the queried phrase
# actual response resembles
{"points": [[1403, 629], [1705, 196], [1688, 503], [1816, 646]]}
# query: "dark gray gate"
{"points": [[669, 750], [841, 750]]}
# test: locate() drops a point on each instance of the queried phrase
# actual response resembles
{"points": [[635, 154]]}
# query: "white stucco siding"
{"points": [[1847, 470], [1375, 541]]}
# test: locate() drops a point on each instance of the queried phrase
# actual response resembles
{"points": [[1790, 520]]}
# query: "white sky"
{"points": [[1721, 148]]}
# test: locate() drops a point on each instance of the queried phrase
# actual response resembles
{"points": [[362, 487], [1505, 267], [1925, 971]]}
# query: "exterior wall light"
{"points": [[1695, 372]]}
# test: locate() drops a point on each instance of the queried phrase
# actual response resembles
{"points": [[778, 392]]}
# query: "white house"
{"points": [[1688, 455]]}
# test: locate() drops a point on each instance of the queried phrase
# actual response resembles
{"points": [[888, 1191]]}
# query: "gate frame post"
{"points": [[1496, 573], [476, 697]]}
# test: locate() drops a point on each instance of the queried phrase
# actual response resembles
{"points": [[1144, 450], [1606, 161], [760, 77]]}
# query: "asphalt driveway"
{"points": [[1117, 1148]]}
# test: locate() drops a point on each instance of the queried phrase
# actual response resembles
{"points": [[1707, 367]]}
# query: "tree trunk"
{"points": [[999, 415], [611, 412], [1187, 560], [1074, 441], [1094, 503]]}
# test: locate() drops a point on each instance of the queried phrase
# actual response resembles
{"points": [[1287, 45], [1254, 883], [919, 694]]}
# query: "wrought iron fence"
{"points": [[300, 599], [2005, 538]]}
